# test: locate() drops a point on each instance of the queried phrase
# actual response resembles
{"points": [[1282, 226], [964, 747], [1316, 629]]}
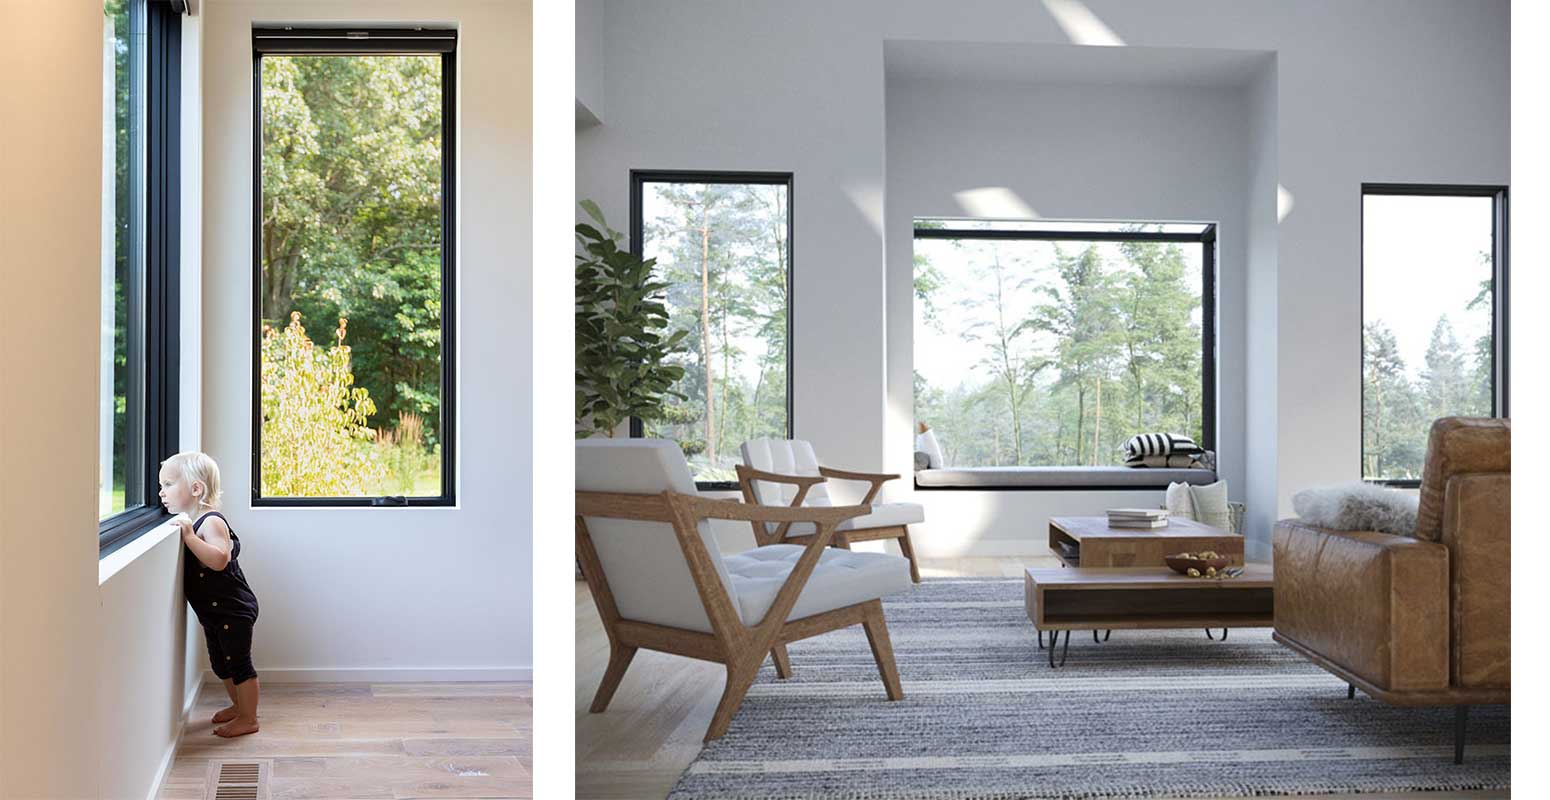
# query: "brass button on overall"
{"points": [[225, 627], [201, 574], [212, 602]]}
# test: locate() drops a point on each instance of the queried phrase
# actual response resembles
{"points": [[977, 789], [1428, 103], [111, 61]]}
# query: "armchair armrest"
{"points": [[746, 475], [876, 479], [1371, 603]]}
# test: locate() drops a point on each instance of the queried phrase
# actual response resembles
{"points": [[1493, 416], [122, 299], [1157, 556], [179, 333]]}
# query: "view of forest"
{"points": [[1045, 353], [1427, 346], [127, 139], [723, 250], [351, 285]]}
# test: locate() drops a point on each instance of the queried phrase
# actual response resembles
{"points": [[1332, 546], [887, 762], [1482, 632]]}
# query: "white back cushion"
{"points": [[784, 457], [642, 561]]}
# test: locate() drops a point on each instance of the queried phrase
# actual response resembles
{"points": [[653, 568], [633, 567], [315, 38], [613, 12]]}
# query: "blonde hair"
{"points": [[198, 468]]}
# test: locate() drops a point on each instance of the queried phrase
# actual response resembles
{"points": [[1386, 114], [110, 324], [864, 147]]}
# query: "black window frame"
{"points": [[638, 180], [285, 40], [1499, 297], [158, 351], [1207, 239]]}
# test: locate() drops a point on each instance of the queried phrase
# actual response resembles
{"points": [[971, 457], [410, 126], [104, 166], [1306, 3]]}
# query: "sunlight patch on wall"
{"points": [[868, 200], [994, 202], [1284, 203], [1081, 25]]}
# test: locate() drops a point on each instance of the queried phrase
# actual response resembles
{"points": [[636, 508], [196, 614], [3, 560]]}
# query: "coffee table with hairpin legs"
{"points": [[1143, 598]]}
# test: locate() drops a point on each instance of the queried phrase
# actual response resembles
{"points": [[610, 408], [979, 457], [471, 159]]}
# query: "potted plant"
{"points": [[622, 347]]}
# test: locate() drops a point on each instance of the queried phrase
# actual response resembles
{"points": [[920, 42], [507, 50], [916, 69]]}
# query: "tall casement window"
{"points": [[722, 243], [1048, 344], [137, 392], [353, 266], [1434, 317]]}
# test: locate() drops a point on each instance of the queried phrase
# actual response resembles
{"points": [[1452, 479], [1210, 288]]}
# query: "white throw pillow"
{"points": [[1210, 502], [926, 443], [1178, 501]]}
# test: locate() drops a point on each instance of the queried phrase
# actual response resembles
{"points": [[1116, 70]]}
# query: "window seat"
{"points": [[1113, 478]]}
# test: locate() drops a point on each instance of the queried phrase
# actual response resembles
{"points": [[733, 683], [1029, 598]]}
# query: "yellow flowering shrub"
{"points": [[315, 440]]}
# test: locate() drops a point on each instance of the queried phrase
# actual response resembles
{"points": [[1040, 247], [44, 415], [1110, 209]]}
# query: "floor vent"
{"points": [[238, 780]]}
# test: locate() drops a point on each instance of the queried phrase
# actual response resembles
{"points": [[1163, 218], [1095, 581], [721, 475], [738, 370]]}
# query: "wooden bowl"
{"points": [[1182, 563]]}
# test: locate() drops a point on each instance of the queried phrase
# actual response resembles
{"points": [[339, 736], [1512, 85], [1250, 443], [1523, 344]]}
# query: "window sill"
{"points": [[114, 562], [1057, 479]]}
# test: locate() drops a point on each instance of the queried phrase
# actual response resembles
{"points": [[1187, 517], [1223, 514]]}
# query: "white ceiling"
{"points": [[1003, 63]]}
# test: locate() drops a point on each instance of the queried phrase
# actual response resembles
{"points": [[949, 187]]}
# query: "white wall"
{"points": [[1387, 90], [590, 59], [1068, 152], [391, 593], [50, 234]]}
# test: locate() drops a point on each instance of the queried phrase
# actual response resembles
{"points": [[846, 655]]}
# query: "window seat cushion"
{"points": [[1059, 477]]}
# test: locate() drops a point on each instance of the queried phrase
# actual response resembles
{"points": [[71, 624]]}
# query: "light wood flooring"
{"points": [[652, 730], [369, 741]]}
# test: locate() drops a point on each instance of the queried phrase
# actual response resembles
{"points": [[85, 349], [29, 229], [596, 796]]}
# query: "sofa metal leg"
{"points": [[1350, 691], [1041, 638], [1460, 723]]}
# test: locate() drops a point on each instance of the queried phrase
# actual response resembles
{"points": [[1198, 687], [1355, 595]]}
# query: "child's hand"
{"points": [[185, 525]]}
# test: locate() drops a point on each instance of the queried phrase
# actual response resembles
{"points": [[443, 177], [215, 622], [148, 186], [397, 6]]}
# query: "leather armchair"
{"points": [[1414, 620]]}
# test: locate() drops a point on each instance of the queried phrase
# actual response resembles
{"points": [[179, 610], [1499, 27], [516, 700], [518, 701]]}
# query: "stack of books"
{"points": [[1138, 518]]}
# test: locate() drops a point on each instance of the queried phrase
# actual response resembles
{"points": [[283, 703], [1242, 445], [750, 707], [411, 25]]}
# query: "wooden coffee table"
{"points": [[1143, 598], [1102, 546]]}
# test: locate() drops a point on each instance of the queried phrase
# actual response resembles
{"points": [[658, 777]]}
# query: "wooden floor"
{"points": [[372, 740], [652, 730]]}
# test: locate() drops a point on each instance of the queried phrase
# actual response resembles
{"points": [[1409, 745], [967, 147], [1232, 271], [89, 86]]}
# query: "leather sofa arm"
{"points": [[1371, 603]]}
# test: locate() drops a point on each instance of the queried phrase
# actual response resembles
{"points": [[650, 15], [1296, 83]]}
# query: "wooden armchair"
{"points": [[791, 476], [660, 582]]}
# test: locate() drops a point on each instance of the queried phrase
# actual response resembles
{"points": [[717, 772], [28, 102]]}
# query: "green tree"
{"points": [[1010, 353], [315, 440], [1393, 430], [1079, 312], [351, 214], [1445, 385]]}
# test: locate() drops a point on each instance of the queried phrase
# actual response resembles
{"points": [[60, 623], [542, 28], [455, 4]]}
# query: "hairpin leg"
{"points": [[1213, 638], [1054, 636], [1350, 691]]}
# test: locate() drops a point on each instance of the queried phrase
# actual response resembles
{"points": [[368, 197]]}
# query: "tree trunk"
{"points": [[1081, 414], [1097, 417], [710, 389]]}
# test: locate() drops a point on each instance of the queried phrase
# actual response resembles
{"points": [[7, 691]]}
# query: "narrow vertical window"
{"points": [[353, 274], [722, 243], [1433, 317], [138, 320]]}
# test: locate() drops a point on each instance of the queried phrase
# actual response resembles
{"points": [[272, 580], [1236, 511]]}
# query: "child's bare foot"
{"points": [[226, 714], [239, 727]]}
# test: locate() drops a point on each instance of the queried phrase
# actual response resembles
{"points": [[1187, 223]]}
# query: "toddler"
{"points": [[214, 584]]}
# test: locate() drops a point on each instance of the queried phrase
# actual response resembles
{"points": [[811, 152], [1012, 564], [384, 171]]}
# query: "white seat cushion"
{"points": [[884, 515], [841, 578]]}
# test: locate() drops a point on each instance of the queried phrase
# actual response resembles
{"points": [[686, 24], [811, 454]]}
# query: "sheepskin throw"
{"points": [[1358, 507]]}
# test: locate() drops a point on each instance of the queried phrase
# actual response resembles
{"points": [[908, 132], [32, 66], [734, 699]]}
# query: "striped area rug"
{"points": [[1144, 714]]}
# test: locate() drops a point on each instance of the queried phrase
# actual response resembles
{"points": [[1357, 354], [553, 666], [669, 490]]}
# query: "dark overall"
{"points": [[226, 609]]}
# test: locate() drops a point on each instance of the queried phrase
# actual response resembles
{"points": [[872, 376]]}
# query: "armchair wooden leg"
{"points": [[840, 541], [782, 661], [908, 549], [739, 677], [882, 649], [618, 661]]}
